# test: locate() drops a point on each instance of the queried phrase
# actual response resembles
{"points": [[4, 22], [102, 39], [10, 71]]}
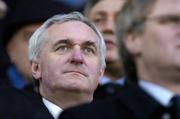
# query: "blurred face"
{"points": [[3, 8], [70, 59], [104, 15], [17, 49], [159, 45]]}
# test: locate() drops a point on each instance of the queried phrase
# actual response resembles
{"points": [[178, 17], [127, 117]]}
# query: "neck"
{"points": [[113, 70], [67, 99], [164, 76]]}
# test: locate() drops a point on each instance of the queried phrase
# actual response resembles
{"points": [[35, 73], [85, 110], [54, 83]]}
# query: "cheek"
{"points": [[94, 75], [155, 39], [23, 48], [160, 36], [50, 67], [50, 74], [164, 40], [157, 45], [100, 27], [94, 68]]}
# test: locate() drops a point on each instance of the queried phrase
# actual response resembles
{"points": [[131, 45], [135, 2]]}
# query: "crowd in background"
{"points": [[73, 59]]}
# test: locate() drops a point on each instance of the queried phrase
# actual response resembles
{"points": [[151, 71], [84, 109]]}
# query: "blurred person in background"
{"points": [[22, 19], [104, 14], [3, 9], [76, 4]]}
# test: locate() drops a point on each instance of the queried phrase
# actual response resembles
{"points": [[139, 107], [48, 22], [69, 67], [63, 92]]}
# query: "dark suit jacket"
{"points": [[107, 91], [131, 103], [15, 104]]}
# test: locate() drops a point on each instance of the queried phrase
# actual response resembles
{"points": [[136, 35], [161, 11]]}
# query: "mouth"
{"points": [[76, 72], [109, 43]]}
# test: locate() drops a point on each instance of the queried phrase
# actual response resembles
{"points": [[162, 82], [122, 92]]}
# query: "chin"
{"points": [[112, 58], [77, 87]]}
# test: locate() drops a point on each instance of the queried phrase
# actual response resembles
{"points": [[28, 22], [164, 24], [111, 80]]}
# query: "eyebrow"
{"points": [[90, 43], [68, 41], [60, 41], [101, 13]]}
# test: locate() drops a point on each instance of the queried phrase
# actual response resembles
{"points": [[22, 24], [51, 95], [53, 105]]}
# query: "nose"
{"points": [[77, 56], [109, 26]]}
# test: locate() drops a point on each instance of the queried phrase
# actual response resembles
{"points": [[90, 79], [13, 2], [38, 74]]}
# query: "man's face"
{"points": [[160, 42], [70, 59], [104, 14], [17, 49]]}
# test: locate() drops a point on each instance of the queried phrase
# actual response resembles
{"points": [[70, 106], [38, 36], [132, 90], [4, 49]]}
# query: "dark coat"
{"points": [[107, 91], [15, 104], [131, 103]]}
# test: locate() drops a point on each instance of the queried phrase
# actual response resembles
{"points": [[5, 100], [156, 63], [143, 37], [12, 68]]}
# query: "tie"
{"points": [[174, 108], [170, 112]]}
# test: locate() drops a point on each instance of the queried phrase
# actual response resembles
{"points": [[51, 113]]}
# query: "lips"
{"points": [[76, 72], [109, 43]]}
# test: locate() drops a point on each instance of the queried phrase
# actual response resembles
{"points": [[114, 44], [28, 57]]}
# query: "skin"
{"points": [[3, 8], [69, 65], [157, 50], [104, 14], [17, 50]]}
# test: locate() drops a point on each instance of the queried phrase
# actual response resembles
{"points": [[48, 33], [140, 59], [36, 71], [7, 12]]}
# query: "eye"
{"points": [[89, 51], [174, 19], [99, 19], [62, 48], [169, 20]]}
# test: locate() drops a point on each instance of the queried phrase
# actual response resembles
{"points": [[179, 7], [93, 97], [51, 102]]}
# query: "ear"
{"points": [[36, 70], [101, 72], [133, 43]]}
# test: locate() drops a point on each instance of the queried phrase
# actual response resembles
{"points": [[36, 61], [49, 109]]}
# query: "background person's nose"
{"points": [[109, 27]]}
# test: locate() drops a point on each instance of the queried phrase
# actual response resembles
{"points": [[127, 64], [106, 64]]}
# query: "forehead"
{"points": [[107, 6], [74, 30], [162, 7]]}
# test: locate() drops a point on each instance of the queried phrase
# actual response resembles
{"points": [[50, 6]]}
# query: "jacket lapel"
{"points": [[139, 101]]}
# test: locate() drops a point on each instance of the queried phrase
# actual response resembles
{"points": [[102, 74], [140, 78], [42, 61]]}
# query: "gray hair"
{"points": [[38, 38], [131, 20]]}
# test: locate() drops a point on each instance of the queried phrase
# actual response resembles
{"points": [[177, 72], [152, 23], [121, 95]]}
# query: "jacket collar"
{"points": [[139, 101]]}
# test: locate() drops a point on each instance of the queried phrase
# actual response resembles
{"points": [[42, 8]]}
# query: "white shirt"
{"points": [[104, 80], [161, 94], [53, 109]]}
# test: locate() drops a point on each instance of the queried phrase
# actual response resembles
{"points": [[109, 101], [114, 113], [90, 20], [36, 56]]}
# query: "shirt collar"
{"points": [[161, 94], [53, 109], [104, 80]]}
